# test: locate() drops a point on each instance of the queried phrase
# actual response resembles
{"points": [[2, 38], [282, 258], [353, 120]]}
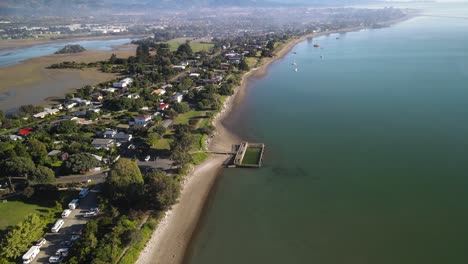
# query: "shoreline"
{"points": [[13, 45], [171, 241]]}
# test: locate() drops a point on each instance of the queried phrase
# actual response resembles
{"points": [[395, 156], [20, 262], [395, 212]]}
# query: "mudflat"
{"points": [[30, 82]]}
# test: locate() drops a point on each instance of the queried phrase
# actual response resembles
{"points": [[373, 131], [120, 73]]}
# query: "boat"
{"points": [[316, 45], [294, 63], [295, 69]]}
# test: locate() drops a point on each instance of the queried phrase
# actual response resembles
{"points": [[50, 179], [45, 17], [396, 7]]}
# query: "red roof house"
{"points": [[25, 131]]}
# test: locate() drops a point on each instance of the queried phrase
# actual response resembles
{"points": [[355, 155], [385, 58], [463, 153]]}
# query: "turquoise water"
{"points": [[366, 156], [15, 56]]}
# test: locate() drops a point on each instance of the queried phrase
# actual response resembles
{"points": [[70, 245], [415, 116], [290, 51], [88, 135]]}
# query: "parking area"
{"points": [[73, 224], [166, 165]]}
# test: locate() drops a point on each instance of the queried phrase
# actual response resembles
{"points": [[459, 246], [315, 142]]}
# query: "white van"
{"points": [[83, 193], [57, 226], [32, 253], [73, 204], [66, 213]]}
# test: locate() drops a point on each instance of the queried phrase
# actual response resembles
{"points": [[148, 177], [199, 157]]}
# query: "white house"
{"points": [[103, 143], [70, 105], [178, 97], [109, 90], [123, 83]]}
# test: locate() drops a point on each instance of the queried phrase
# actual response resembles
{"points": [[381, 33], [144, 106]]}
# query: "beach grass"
{"points": [[199, 158], [252, 156], [14, 212], [131, 256]]}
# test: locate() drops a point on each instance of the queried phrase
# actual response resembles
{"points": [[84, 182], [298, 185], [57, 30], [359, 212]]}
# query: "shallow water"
{"points": [[366, 153], [14, 56]]}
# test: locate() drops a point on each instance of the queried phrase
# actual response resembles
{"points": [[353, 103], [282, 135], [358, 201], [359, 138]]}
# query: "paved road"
{"points": [[73, 223], [96, 178]]}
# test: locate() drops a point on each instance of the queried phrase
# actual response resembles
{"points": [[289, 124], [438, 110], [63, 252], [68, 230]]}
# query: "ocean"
{"points": [[366, 158]]}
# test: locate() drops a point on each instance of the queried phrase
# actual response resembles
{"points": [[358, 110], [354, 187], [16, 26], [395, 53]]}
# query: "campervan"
{"points": [[57, 226], [32, 253], [83, 193], [73, 204]]}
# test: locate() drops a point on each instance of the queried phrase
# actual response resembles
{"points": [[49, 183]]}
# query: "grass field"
{"points": [[14, 212], [183, 119], [196, 45], [251, 61], [252, 156]]}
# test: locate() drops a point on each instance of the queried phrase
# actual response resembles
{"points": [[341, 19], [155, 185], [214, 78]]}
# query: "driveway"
{"points": [[96, 178], [73, 223]]}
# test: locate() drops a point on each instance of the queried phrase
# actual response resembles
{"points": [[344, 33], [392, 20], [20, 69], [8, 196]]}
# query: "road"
{"points": [[73, 223], [96, 178], [161, 164]]}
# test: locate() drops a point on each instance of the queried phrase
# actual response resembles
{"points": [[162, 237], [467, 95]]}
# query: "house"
{"points": [[142, 120], [81, 101], [180, 67], [159, 91], [70, 105], [25, 131], [15, 137], [97, 97], [167, 86], [109, 90], [163, 106], [109, 133], [103, 143], [178, 97], [54, 153], [122, 137], [123, 83], [118, 137], [46, 112]]}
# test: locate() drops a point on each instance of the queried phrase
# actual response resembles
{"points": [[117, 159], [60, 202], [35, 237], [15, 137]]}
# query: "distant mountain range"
{"points": [[51, 7]]}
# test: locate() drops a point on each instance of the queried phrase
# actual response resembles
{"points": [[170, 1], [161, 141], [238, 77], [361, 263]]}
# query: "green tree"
{"points": [[161, 190], [17, 240], [184, 49], [243, 66], [270, 45], [80, 163], [17, 167], [181, 107], [66, 127], [38, 151], [125, 182], [43, 175]]}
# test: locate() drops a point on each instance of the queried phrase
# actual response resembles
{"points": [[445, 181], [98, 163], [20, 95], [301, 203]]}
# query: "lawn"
{"points": [[14, 212], [183, 119], [251, 61], [196, 46], [252, 156]]}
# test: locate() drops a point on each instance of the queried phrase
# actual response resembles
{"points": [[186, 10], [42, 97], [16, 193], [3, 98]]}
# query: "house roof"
{"points": [[102, 141], [25, 131], [143, 117]]}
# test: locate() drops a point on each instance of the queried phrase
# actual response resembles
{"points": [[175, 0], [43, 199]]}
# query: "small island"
{"points": [[71, 49]]}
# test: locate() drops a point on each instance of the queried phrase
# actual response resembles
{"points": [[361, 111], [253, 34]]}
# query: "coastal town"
{"points": [[102, 165]]}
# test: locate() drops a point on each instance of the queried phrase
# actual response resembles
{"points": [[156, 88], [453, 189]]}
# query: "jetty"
{"points": [[249, 155]]}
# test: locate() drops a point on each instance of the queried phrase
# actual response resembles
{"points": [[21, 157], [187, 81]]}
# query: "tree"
{"points": [[38, 151], [226, 89], [181, 107], [243, 66], [30, 109], [17, 167], [113, 58], [270, 45], [66, 127], [161, 190], [80, 163], [43, 175], [17, 240], [125, 182], [184, 49]]}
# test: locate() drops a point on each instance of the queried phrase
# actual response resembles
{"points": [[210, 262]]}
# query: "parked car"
{"points": [[79, 232], [62, 252], [66, 213], [147, 158], [74, 238], [41, 242], [90, 214], [55, 259], [94, 209], [66, 244]]}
